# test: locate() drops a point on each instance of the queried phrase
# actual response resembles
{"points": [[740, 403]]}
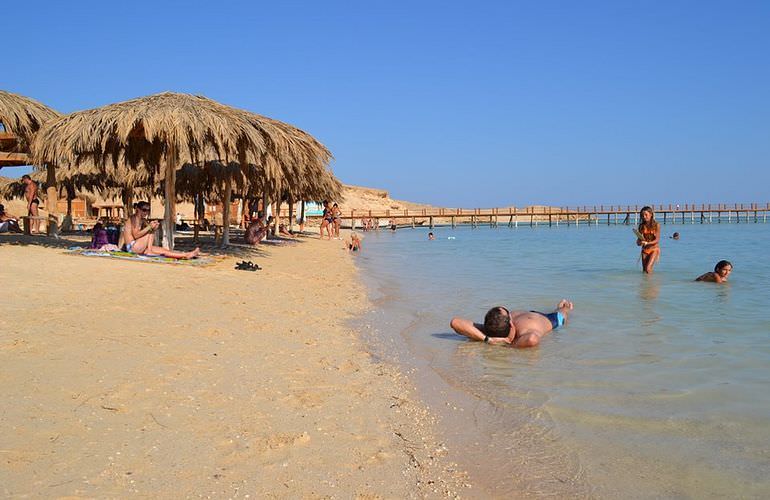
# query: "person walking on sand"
{"points": [[649, 230], [138, 237], [721, 272], [33, 202], [513, 328]]}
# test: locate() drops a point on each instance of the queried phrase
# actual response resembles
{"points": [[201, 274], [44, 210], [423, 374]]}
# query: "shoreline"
{"points": [[483, 438], [129, 378]]}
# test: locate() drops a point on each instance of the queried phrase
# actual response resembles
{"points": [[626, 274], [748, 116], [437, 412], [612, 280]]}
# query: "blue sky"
{"points": [[451, 103]]}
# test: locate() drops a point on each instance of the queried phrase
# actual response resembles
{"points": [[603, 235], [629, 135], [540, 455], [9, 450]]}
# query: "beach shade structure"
{"points": [[157, 135], [21, 117], [305, 169]]}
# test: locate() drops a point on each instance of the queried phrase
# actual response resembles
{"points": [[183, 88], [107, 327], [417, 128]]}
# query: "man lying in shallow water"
{"points": [[514, 328]]}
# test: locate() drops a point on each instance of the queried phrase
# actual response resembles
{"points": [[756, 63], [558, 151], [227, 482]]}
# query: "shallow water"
{"points": [[658, 386]]}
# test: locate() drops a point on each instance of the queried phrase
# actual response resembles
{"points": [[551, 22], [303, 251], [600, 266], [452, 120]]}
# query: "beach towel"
{"points": [[157, 259]]}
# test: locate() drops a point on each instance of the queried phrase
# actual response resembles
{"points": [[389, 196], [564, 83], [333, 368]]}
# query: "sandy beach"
{"points": [[123, 378]]}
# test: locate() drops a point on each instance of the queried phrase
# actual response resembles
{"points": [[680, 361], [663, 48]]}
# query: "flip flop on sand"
{"points": [[247, 266]]}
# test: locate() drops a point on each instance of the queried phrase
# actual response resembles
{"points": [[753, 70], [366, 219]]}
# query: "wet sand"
{"points": [[171, 381]]}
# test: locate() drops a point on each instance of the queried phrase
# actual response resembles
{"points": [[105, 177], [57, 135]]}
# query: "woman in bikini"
{"points": [[650, 230], [327, 221], [336, 220], [138, 237]]}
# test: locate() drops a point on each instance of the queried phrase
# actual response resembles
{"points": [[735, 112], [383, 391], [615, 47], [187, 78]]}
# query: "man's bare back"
{"points": [[514, 328]]}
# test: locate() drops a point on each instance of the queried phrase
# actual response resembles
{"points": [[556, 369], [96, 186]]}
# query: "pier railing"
{"points": [[687, 212]]}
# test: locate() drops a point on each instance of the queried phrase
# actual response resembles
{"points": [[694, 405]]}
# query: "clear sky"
{"points": [[468, 104]]}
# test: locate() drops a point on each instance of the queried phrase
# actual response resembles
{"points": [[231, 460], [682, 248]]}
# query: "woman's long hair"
{"points": [[653, 224]]}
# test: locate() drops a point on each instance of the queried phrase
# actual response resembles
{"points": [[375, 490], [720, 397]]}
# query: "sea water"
{"points": [[658, 386]]}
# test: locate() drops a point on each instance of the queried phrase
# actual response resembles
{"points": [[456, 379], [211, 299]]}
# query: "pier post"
{"points": [[510, 221], [664, 217], [516, 221], [412, 222], [550, 221], [430, 222], [453, 222]]}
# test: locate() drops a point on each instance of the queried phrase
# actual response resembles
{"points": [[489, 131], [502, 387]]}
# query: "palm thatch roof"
{"points": [[23, 117], [144, 141], [139, 133]]}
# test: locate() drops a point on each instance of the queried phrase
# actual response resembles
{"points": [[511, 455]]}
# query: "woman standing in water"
{"points": [[649, 229]]}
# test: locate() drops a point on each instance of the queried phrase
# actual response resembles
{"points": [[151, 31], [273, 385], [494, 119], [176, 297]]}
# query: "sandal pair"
{"points": [[247, 266]]}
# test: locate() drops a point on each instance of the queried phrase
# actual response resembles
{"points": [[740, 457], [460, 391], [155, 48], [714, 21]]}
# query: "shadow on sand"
{"points": [[182, 243]]}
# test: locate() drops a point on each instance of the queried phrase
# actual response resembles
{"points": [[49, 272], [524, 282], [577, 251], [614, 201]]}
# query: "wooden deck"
{"points": [[581, 215]]}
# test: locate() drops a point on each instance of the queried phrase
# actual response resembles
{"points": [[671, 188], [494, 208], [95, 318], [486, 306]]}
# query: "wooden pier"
{"points": [[569, 216]]}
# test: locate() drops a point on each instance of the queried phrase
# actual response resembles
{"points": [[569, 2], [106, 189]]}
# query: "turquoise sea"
{"points": [[658, 387]]}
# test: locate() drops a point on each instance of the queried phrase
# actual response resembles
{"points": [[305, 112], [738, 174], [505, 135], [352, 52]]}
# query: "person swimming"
{"points": [[721, 272]]}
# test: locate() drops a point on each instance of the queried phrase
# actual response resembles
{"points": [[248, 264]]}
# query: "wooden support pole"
{"points": [[291, 214], [169, 192], [226, 212]]}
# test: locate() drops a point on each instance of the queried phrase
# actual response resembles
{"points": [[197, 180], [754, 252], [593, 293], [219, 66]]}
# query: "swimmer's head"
{"points": [[497, 322], [675, 236], [723, 268]]}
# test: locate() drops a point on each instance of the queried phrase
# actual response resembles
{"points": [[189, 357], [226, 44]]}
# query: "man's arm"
{"points": [[475, 331], [528, 338], [468, 328]]}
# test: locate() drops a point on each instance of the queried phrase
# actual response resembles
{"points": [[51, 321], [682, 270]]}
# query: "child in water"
{"points": [[354, 245], [721, 271]]}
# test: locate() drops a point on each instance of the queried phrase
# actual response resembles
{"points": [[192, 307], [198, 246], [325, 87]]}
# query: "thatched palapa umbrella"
{"points": [[21, 118], [159, 134]]}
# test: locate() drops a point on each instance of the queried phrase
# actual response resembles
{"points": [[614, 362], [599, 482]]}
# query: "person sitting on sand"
{"points": [[8, 223], [101, 239], [513, 328], [721, 271], [138, 235], [354, 245], [256, 232], [282, 230]]}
